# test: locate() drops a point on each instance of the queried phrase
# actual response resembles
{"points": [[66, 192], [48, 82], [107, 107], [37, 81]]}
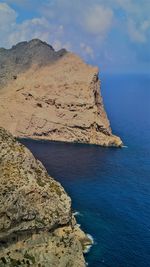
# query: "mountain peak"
{"points": [[32, 44], [23, 55]]}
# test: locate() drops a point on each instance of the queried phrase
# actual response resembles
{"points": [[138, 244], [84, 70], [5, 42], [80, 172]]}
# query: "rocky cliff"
{"points": [[52, 95], [37, 227]]}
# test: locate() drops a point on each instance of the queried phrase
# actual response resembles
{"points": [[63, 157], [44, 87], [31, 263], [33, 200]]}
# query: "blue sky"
{"points": [[114, 34]]}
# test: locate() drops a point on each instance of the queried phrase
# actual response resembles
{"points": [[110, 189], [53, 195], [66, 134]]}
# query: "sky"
{"points": [[113, 34]]}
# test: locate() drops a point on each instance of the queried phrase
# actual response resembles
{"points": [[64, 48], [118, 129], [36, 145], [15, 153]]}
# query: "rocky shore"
{"points": [[37, 227]]}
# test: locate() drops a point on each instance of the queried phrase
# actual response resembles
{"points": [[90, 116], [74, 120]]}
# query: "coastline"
{"points": [[35, 138]]}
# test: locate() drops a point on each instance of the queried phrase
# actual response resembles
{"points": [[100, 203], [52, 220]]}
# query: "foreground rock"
{"points": [[36, 223], [52, 95]]}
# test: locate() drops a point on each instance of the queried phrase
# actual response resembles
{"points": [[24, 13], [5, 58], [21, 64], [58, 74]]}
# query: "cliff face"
{"points": [[52, 95], [36, 223]]}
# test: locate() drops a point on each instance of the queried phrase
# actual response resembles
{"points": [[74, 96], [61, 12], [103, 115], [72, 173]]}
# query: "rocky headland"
{"points": [[52, 95], [37, 227]]}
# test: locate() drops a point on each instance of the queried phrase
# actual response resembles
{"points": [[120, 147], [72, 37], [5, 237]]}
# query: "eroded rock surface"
{"points": [[37, 227], [52, 95]]}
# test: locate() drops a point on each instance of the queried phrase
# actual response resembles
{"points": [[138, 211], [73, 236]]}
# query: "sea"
{"points": [[110, 187]]}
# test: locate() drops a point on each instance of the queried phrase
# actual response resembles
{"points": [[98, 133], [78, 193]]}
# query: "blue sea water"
{"points": [[111, 187]]}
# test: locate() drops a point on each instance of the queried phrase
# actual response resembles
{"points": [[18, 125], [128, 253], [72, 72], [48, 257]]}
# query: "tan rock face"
{"points": [[36, 223], [58, 101]]}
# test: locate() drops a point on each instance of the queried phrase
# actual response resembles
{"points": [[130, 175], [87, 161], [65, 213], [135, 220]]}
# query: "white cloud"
{"points": [[130, 6], [87, 50], [7, 22], [138, 33], [57, 44], [7, 15], [12, 32], [137, 19], [29, 29], [98, 20]]}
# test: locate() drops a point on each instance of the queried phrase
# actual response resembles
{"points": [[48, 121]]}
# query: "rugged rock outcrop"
{"points": [[37, 227], [52, 95]]}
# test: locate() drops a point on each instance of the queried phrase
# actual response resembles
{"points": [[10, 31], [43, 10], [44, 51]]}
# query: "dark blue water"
{"points": [[111, 187]]}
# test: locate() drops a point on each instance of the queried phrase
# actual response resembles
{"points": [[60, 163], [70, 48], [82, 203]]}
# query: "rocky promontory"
{"points": [[52, 95], [37, 227]]}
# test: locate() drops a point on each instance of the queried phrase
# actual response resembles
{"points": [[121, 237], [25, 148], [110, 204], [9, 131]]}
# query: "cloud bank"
{"points": [[112, 32]]}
